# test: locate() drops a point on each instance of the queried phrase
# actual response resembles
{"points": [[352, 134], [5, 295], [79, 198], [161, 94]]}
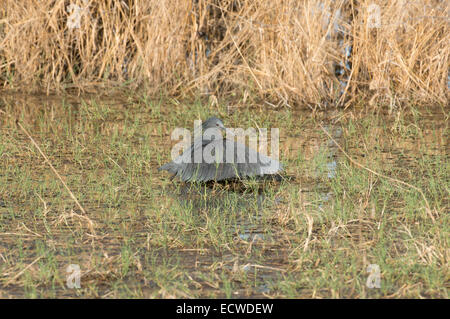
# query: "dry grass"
{"points": [[286, 52]]}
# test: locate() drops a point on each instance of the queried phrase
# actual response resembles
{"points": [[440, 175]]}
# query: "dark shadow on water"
{"points": [[220, 195]]}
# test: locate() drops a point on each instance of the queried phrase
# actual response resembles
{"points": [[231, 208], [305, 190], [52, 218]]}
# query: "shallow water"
{"points": [[108, 153]]}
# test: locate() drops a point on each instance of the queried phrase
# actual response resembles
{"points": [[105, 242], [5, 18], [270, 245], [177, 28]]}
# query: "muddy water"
{"points": [[75, 119]]}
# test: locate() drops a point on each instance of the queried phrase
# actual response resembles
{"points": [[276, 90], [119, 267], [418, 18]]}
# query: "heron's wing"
{"points": [[242, 162], [183, 166]]}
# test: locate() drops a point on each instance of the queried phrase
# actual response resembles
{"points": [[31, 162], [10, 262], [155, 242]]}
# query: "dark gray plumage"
{"points": [[185, 167]]}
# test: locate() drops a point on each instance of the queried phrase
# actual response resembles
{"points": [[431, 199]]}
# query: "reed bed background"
{"points": [[285, 52]]}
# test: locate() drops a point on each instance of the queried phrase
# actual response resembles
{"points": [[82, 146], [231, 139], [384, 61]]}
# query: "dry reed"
{"points": [[286, 52]]}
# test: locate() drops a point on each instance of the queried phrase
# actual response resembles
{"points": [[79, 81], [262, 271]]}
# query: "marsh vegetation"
{"points": [[91, 91], [312, 234]]}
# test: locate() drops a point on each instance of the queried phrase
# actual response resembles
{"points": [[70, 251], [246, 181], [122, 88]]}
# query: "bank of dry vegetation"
{"points": [[285, 52]]}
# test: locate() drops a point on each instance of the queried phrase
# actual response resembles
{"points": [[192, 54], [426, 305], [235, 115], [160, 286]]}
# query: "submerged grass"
{"points": [[313, 234]]}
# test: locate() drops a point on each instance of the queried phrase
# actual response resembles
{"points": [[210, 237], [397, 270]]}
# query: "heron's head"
{"points": [[213, 122]]}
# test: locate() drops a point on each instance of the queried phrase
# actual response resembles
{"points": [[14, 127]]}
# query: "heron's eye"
{"points": [[217, 124]]}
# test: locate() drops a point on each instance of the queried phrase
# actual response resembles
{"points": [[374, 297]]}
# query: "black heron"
{"points": [[245, 162]]}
